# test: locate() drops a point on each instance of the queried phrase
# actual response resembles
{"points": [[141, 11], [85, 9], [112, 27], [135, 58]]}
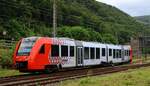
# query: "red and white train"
{"points": [[44, 53]]}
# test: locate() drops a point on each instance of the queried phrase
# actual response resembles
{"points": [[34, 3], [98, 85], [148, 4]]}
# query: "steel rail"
{"points": [[44, 79]]}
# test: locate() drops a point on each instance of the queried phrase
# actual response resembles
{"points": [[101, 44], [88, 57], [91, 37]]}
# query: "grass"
{"points": [[136, 77], [142, 59], [8, 72], [6, 62]]}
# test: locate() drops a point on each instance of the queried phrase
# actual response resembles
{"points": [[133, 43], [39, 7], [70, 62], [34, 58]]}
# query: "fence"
{"points": [[141, 46], [4, 44]]}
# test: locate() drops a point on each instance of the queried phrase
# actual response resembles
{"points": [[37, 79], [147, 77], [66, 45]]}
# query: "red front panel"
{"points": [[35, 60], [38, 60], [15, 52]]}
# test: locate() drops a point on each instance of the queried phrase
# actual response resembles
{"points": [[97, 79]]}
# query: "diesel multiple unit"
{"points": [[44, 53]]}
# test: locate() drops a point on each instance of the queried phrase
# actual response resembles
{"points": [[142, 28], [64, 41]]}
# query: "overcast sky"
{"points": [[132, 7]]}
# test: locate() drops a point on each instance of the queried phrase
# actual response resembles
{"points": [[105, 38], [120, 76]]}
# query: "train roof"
{"points": [[85, 43], [63, 38]]}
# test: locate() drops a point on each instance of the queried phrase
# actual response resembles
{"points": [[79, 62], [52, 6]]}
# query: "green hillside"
{"points": [[80, 19], [144, 19]]}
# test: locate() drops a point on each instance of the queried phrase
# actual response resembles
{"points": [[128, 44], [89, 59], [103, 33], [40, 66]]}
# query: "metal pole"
{"points": [[54, 18]]}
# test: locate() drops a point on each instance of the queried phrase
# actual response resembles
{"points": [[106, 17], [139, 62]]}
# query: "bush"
{"points": [[79, 33], [6, 58]]}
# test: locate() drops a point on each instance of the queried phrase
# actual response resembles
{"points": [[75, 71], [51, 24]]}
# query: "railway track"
{"points": [[44, 79]]}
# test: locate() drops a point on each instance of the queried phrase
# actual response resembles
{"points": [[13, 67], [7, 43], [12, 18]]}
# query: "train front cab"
{"points": [[22, 54], [31, 54]]}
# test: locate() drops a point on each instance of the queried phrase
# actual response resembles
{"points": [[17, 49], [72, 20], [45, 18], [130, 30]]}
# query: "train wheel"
{"points": [[112, 64], [59, 67]]}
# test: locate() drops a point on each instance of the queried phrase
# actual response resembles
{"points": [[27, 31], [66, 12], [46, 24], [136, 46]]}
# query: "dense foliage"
{"points": [[5, 58], [80, 19]]}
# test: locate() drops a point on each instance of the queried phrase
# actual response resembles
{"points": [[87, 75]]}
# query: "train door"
{"points": [[79, 53], [107, 54], [79, 56], [122, 53]]}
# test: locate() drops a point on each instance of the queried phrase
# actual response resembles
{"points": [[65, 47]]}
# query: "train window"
{"points": [[103, 52], [129, 53], [120, 53], [110, 52], [114, 53], [86, 53], [71, 51], [55, 50], [64, 51], [125, 52], [26, 46], [42, 49], [97, 53], [92, 53]]}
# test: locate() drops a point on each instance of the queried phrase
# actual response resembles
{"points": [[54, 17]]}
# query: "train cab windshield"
{"points": [[26, 46]]}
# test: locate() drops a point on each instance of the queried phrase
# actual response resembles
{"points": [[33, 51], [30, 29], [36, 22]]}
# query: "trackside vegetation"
{"points": [[6, 58], [135, 77], [8, 72], [24, 18]]}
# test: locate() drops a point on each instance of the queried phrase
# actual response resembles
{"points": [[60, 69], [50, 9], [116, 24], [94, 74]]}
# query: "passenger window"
{"points": [[97, 53], [103, 52], [120, 53], [92, 53], [86, 53], [110, 52], [64, 51], [71, 51], [114, 53], [126, 52], [42, 49], [55, 50]]}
